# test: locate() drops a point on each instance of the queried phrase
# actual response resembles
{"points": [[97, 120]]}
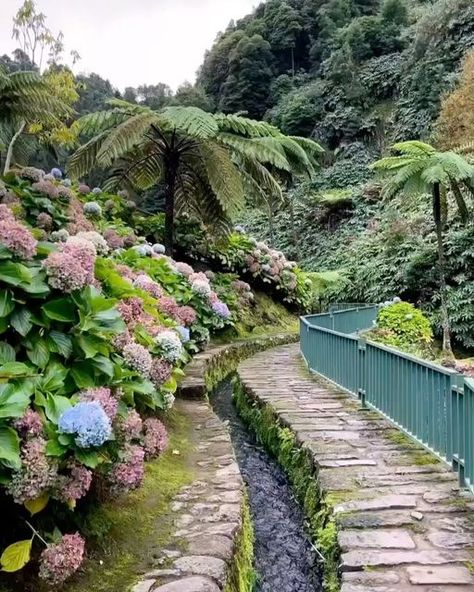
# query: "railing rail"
{"points": [[432, 404]]}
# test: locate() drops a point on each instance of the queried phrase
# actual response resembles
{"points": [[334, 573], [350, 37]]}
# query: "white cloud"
{"points": [[132, 42]]}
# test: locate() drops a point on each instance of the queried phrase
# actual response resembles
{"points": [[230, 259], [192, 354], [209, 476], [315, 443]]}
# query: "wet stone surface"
{"points": [[284, 558]]}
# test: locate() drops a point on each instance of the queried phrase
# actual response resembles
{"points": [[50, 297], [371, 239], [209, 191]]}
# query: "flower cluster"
{"points": [[104, 397], [84, 189], [60, 561], [137, 357], [99, 242], [16, 237], [31, 174], [127, 474], [56, 173], [92, 209], [59, 236], [88, 422], [184, 268], [47, 188], [170, 345], [201, 287], [155, 438], [130, 427], [144, 282], [65, 273], [184, 333], [36, 475], [160, 371], [222, 310], [113, 239], [44, 221], [73, 487], [30, 425]]}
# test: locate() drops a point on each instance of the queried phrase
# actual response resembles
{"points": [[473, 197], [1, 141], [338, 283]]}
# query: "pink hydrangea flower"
{"points": [[46, 187], [144, 282], [160, 371], [168, 306], [128, 473], [17, 238], [84, 189], [30, 425], [130, 427], [44, 220], [114, 240], [60, 561], [126, 272], [213, 298], [156, 437], [74, 486], [37, 473], [137, 357], [83, 251], [184, 268], [132, 311], [6, 213], [186, 315], [65, 272], [102, 395]]}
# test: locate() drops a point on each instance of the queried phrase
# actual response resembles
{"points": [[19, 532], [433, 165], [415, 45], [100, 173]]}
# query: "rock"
{"points": [[144, 586], [356, 560], [436, 496], [385, 502], [216, 546], [417, 515], [378, 539], [371, 578], [373, 519], [454, 540], [454, 574], [202, 565], [193, 584]]}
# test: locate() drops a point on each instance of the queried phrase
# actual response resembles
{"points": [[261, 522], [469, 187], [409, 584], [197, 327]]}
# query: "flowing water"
{"points": [[284, 558]]}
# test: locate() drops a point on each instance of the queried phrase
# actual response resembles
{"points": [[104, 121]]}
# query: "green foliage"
{"points": [[404, 326]]}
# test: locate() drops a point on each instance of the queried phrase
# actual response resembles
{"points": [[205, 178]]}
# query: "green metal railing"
{"points": [[432, 404]]}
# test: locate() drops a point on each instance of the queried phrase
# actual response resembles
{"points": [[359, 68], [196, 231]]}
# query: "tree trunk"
{"points": [[270, 222], [170, 177], [447, 349], [462, 207], [294, 237], [8, 159]]}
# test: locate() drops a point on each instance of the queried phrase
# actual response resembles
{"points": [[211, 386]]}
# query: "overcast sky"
{"points": [[132, 42]]}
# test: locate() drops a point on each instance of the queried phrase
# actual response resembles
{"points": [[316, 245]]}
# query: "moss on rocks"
{"points": [[241, 576], [281, 442]]}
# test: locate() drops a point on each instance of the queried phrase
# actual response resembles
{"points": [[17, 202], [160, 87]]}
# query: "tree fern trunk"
{"points": [[171, 172], [447, 349], [8, 159]]}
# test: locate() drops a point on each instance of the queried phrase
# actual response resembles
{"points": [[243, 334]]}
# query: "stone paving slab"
{"points": [[402, 525], [207, 513]]}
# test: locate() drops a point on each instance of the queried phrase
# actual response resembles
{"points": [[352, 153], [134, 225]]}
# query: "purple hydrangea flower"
{"points": [[57, 173], [183, 333], [221, 309]]}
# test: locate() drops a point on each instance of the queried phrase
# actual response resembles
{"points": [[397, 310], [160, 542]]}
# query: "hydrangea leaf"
{"points": [[16, 556], [37, 505], [55, 407], [9, 447], [6, 303], [61, 309]]}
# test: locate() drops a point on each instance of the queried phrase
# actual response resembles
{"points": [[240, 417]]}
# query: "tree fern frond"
{"points": [[85, 157], [414, 148], [244, 126], [191, 121]]}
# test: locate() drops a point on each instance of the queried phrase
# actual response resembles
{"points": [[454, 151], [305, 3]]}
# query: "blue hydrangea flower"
{"points": [[170, 345], [159, 249], [221, 309], [92, 208], [88, 422], [143, 250], [183, 333], [66, 182], [96, 190], [57, 173]]}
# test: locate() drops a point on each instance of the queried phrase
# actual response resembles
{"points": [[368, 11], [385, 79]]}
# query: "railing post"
{"points": [[361, 371], [456, 427]]}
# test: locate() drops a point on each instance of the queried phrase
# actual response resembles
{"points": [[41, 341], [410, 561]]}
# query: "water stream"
{"points": [[284, 558]]}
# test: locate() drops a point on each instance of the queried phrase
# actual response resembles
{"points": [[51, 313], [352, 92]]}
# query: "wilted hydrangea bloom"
{"points": [[37, 473], [130, 240], [102, 395], [96, 190], [92, 208], [123, 193], [156, 437], [128, 473], [73, 487], [168, 306], [96, 239], [222, 310], [186, 315], [159, 249], [201, 287], [65, 192], [137, 357], [31, 173], [17, 238], [183, 333], [212, 297], [170, 345], [30, 425], [60, 236], [88, 422], [46, 187], [44, 220], [184, 268], [210, 275], [60, 561], [130, 427], [84, 189], [131, 310], [168, 400], [144, 282], [160, 372], [114, 240]]}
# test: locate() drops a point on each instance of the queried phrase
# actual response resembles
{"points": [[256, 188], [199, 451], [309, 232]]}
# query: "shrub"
{"points": [[404, 326]]}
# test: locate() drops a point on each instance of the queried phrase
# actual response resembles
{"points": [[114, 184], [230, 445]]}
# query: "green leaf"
{"points": [[3, 324], [6, 303], [55, 448], [104, 365], [14, 399], [83, 375], [89, 458], [61, 309], [7, 353], [37, 505], [14, 369], [10, 447], [56, 406], [53, 378], [89, 344], [39, 353], [60, 343], [16, 556], [21, 321], [14, 273], [5, 253]]}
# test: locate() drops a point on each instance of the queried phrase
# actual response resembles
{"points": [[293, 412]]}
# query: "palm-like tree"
{"points": [[25, 100], [419, 168], [207, 163]]}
